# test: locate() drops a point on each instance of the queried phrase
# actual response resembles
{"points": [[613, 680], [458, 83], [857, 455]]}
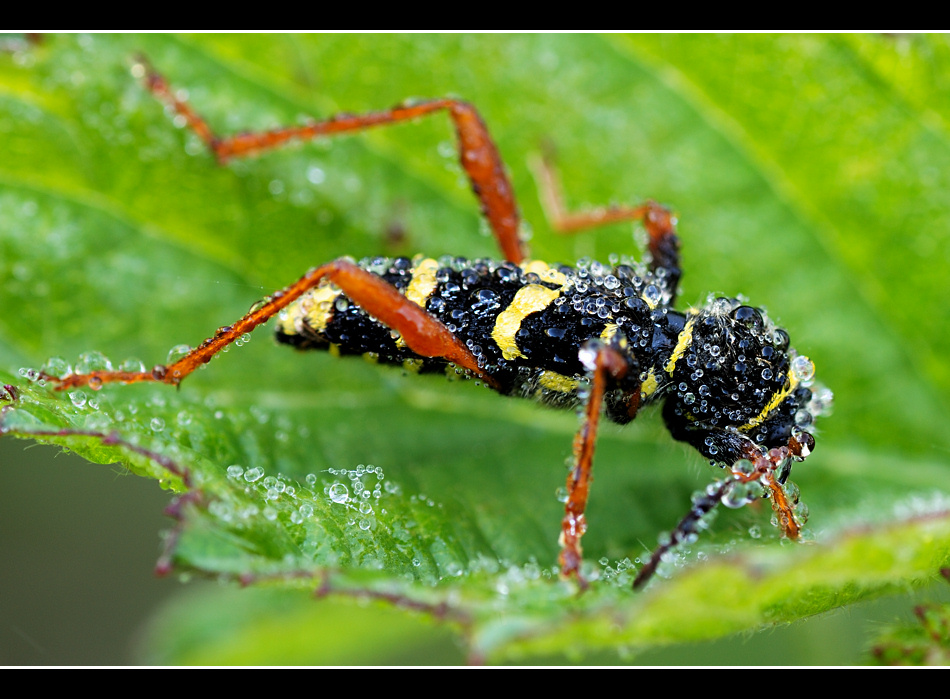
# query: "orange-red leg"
{"points": [[608, 366], [764, 466], [659, 222], [423, 333], [478, 154]]}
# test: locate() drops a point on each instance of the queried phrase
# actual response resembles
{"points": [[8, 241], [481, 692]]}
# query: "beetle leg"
{"points": [[659, 221], [478, 154], [688, 527], [764, 466], [607, 366], [423, 334]]}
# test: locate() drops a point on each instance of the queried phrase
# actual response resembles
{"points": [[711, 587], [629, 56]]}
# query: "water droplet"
{"points": [[132, 365], [781, 339], [176, 353], [157, 424], [803, 369], [78, 398], [447, 149], [748, 316], [253, 474], [652, 295], [739, 494], [792, 492], [743, 466], [803, 418], [821, 402], [235, 471], [339, 493], [89, 362], [57, 366]]}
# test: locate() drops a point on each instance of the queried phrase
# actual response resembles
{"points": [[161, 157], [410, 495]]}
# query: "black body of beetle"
{"points": [[725, 372], [604, 338]]}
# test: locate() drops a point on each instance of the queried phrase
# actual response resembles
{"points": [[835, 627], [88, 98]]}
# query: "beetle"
{"points": [[605, 339]]}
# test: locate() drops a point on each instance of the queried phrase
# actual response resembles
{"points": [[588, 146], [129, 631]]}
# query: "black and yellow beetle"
{"points": [[605, 338]]}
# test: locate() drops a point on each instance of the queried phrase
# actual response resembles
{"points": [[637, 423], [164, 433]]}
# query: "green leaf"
{"points": [[924, 642], [807, 173]]}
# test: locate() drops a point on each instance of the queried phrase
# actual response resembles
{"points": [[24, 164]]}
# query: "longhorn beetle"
{"points": [[603, 338]]}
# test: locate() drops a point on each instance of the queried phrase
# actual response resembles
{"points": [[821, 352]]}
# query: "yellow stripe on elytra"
{"points": [[683, 341], [423, 282], [649, 385], [553, 381], [790, 385], [529, 299], [314, 308], [545, 271], [610, 330], [421, 286]]}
